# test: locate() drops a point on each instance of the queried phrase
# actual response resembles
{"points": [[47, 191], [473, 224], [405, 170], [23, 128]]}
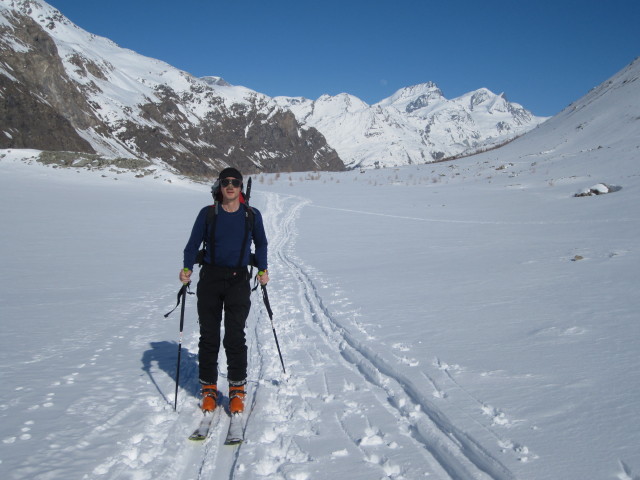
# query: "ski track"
{"points": [[325, 350], [381, 420], [340, 384]]}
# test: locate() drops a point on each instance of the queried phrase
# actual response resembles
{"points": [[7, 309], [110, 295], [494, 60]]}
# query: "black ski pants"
{"points": [[223, 289]]}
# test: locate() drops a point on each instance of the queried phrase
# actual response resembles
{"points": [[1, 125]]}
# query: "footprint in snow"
{"points": [[391, 470], [439, 394], [445, 367], [340, 453], [371, 437], [48, 400], [412, 362], [498, 418], [71, 379], [23, 435], [403, 347], [524, 455]]}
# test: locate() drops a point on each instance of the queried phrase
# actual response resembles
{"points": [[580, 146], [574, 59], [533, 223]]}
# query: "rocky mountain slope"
{"points": [[65, 89]]}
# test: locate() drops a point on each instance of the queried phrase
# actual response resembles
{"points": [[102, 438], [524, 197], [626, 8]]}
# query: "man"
{"points": [[224, 284]]}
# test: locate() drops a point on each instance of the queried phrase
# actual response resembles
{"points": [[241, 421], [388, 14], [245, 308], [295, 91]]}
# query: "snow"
{"points": [[414, 125], [467, 320]]}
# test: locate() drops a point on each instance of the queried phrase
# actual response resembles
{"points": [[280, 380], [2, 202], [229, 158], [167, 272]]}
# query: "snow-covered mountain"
{"points": [[606, 118], [69, 90], [417, 124], [66, 89]]}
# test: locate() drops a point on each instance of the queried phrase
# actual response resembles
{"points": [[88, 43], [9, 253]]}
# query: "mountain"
{"points": [[65, 89], [416, 124], [605, 119]]}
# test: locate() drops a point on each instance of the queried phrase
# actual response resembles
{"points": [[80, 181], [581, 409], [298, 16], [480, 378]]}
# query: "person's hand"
{"points": [[185, 275], [263, 277]]}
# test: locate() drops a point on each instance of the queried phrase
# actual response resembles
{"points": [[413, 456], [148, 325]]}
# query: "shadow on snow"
{"points": [[165, 356]]}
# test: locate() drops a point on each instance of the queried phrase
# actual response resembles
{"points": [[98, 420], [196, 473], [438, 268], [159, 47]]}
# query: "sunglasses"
{"points": [[233, 181]]}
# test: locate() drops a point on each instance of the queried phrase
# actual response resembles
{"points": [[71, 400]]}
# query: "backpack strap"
{"points": [[250, 219], [209, 240]]}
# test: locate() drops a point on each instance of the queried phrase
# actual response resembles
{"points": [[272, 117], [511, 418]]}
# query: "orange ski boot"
{"points": [[236, 397], [209, 398]]}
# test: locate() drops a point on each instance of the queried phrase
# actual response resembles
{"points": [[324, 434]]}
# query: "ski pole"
{"points": [[265, 298], [182, 296], [247, 193]]}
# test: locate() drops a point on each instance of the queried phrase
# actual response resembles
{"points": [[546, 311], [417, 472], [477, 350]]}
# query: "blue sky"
{"points": [[543, 54]]}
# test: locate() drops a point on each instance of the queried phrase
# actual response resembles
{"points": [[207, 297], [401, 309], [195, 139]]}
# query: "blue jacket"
{"points": [[230, 230]]}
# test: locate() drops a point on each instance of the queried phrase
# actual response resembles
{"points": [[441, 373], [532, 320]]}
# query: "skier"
{"points": [[224, 284]]}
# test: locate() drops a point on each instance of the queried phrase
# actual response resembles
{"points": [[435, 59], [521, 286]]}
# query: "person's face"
{"points": [[230, 188]]}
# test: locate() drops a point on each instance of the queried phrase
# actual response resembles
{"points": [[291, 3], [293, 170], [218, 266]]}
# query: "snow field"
{"points": [[388, 393], [478, 326]]}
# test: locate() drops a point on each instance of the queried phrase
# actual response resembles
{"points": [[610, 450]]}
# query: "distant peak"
{"points": [[347, 100], [414, 97], [428, 88], [213, 80]]}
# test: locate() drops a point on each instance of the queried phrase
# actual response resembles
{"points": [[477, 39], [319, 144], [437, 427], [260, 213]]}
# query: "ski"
{"points": [[202, 432], [235, 435]]}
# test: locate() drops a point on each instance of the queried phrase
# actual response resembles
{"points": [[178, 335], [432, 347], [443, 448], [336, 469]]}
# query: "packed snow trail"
{"points": [[338, 388]]}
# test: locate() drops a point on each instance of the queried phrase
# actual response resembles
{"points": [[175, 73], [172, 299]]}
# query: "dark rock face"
{"points": [[40, 108], [28, 122], [43, 107]]}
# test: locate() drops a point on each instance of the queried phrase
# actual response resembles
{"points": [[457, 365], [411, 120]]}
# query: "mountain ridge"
{"points": [[117, 103], [418, 124], [82, 92]]}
